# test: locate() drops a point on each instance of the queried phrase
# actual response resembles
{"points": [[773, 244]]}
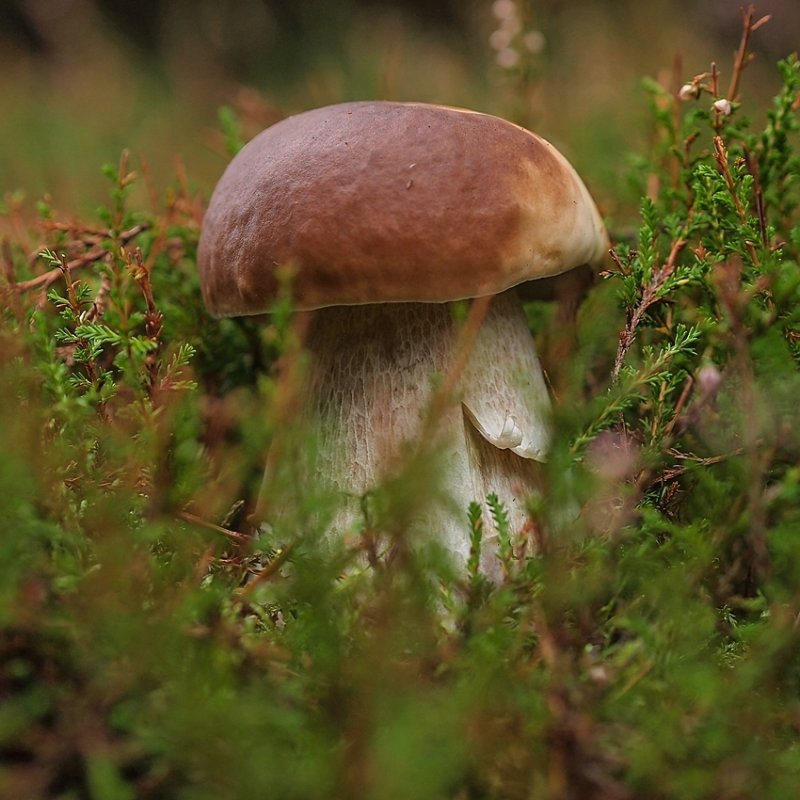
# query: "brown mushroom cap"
{"points": [[378, 202]]}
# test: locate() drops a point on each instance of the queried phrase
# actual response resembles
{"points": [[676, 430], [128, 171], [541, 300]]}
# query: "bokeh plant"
{"points": [[158, 641]]}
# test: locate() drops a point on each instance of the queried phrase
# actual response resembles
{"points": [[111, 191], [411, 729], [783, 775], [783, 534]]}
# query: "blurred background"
{"points": [[82, 79]]}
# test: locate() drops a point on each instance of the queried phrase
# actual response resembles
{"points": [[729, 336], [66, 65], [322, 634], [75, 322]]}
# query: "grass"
{"points": [[157, 641]]}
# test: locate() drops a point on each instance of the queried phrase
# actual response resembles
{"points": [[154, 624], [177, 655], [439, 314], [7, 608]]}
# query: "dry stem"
{"points": [[650, 296], [95, 254]]}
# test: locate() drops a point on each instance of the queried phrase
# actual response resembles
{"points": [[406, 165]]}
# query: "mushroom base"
{"points": [[372, 381]]}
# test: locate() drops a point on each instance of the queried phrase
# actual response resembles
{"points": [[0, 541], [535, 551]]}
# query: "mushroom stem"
{"points": [[373, 371]]}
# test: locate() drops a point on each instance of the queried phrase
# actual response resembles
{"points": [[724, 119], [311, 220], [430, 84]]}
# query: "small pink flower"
{"points": [[507, 57], [708, 380]]}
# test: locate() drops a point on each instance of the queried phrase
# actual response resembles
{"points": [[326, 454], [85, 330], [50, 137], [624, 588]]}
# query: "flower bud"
{"points": [[499, 39], [507, 58], [534, 41], [723, 106], [504, 8], [708, 380]]}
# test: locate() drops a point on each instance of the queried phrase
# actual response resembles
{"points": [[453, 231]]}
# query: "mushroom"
{"points": [[387, 213]]}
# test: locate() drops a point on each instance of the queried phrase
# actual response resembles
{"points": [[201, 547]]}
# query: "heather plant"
{"points": [[165, 634]]}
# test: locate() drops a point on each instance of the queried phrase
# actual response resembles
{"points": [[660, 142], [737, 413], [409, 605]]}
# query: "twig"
{"points": [[95, 254], [467, 337], [8, 274], [82, 232], [153, 318], [648, 478], [761, 208], [650, 296], [721, 156], [239, 538], [743, 57], [268, 571], [684, 396]]}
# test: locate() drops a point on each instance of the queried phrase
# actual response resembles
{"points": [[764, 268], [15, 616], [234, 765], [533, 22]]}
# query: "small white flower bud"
{"points": [[534, 41], [511, 24], [500, 39], [689, 91], [599, 674], [508, 58], [504, 8], [723, 106]]}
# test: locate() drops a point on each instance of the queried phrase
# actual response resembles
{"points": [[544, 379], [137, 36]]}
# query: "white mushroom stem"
{"points": [[372, 382]]}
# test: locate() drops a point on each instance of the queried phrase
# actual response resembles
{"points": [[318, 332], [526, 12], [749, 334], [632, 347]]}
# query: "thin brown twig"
{"points": [[79, 231], [684, 396], [721, 156], [269, 570], [650, 296], [46, 278], [150, 185], [13, 300], [95, 254], [469, 333], [761, 208], [743, 57], [234, 536], [153, 318], [99, 303], [648, 477]]}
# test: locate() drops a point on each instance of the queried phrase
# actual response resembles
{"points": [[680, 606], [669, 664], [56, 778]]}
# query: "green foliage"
{"points": [[157, 642], [230, 129]]}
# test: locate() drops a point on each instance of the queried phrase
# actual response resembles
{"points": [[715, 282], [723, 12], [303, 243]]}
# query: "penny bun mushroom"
{"points": [[387, 213]]}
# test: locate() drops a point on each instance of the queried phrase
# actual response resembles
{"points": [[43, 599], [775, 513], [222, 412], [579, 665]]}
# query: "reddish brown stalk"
{"points": [[99, 302], [75, 305], [11, 297], [153, 318], [469, 332], [672, 473], [676, 411], [761, 209], [269, 570], [93, 235], [150, 186], [714, 77], [234, 536], [44, 280], [743, 57], [721, 156], [650, 296]]}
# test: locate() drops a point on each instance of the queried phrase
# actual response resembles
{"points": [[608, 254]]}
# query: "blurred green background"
{"points": [[82, 79]]}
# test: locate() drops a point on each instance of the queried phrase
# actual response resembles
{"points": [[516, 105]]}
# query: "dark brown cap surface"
{"points": [[380, 202]]}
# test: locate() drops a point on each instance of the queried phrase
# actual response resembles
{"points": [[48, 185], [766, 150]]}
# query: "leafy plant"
{"points": [[158, 641]]}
